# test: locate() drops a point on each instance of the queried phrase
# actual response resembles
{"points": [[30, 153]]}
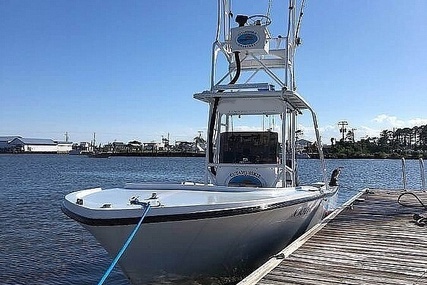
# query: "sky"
{"points": [[127, 70]]}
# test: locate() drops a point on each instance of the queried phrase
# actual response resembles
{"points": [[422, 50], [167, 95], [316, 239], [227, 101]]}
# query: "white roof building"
{"points": [[20, 144]]}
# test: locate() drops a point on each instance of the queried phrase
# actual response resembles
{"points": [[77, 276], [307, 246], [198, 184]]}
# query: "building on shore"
{"points": [[5, 142], [64, 147], [17, 144]]}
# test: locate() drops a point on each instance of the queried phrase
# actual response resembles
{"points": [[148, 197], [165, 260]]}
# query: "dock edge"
{"points": [[275, 260]]}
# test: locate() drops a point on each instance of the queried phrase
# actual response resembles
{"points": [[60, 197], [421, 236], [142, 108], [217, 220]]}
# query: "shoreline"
{"points": [[142, 154], [202, 154]]}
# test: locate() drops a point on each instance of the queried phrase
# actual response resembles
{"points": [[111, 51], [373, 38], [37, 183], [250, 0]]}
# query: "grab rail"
{"points": [[404, 173], [423, 179], [422, 173]]}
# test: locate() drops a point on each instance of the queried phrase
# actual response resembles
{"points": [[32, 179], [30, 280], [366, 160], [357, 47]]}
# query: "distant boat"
{"points": [[302, 155], [75, 152], [79, 152], [99, 154], [250, 204]]}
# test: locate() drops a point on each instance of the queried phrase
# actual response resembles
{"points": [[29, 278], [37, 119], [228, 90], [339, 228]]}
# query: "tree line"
{"points": [[401, 142]]}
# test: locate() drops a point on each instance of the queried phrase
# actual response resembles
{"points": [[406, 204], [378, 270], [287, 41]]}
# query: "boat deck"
{"points": [[371, 239]]}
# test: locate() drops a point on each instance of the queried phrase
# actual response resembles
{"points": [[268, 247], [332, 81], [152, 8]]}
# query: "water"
{"points": [[40, 245]]}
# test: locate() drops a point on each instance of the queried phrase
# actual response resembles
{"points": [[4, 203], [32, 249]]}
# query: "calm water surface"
{"points": [[40, 245]]}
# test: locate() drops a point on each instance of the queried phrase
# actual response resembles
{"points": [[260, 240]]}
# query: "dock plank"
{"points": [[371, 239]]}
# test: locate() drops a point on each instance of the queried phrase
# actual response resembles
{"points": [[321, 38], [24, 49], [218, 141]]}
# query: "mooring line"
{"points": [[123, 249]]}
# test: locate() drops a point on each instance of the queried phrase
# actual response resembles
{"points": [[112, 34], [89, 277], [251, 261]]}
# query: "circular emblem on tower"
{"points": [[247, 39]]}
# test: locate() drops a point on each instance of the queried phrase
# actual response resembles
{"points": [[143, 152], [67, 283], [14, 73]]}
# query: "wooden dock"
{"points": [[371, 239]]}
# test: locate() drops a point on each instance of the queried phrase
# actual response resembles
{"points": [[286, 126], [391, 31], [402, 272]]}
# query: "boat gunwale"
{"points": [[199, 215]]}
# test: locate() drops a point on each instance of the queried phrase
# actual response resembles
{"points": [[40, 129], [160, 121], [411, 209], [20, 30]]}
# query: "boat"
{"points": [[99, 154], [250, 202], [302, 155]]}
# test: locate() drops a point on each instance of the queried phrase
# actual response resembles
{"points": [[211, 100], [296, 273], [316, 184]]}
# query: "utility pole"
{"points": [[343, 129], [94, 142]]}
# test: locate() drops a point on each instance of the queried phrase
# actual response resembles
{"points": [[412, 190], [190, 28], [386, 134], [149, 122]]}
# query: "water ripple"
{"points": [[40, 245]]}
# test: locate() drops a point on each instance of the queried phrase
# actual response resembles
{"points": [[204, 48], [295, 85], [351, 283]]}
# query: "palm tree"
{"points": [[422, 135]]}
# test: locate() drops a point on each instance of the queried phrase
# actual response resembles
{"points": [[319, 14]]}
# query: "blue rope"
{"points": [[128, 241]]}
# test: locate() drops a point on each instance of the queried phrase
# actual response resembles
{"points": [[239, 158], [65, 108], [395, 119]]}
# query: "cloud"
{"points": [[378, 124], [386, 122], [393, 121], [364, 132], [372, 129], [326, 132], [417, 122]]}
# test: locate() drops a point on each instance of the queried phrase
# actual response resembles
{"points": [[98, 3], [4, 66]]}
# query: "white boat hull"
{"points": [[219, 248]]}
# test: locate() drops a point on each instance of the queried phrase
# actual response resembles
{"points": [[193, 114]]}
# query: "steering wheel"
{"points": [[262, 20]]}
